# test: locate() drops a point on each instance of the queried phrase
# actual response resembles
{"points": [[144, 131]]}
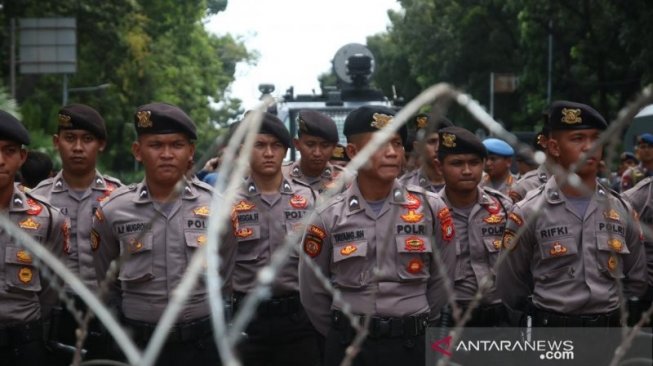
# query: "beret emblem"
{"points": [[448, 140], [380, 120], [144, 120], [571, 116], [65, 120]]}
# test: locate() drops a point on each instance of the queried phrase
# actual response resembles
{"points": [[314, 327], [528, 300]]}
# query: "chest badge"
{"points": [[558, 250], [297, 201], [244, 232], [414, 244], [616, 245], [516, 219], [612, 263], [415, 266], [412, 217], [25, 275], [29, 223], [412, 202], [202, 211], [243, 206], [611, 215], [23, 256], [348, 250], [493, 219], [201, 240]]}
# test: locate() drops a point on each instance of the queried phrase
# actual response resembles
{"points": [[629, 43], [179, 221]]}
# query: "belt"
{"points": [[485, 314], [21, 333], [276, 306], [183, 332], [385, 327], [543, 318]]}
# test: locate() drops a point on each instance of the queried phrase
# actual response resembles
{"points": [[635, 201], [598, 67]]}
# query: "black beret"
{"points": [[11, 129], [162, 118], [457, 140], [422, 120], [564, 115], [339, 153], [371, 118], [272, 125], [318, 124], [82, 117]]}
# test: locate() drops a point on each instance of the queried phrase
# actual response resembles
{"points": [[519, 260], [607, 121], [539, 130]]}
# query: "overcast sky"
{"points": [[295, 39]]}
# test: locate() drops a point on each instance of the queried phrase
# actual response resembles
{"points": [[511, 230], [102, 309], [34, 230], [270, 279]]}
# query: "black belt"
{"points": [[543, 318], [21, 333], [276, 306], [485, 314], [385, 327], [183, 332]]}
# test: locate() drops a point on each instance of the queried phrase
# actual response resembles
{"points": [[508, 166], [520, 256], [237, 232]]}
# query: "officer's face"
{"points": [[644, 151], [12, 156], [430, 149], [267, 155], [385, 163], [462, 172], [165, 157], [568, 146], [78, 149], [315, 152], [497, 167]]}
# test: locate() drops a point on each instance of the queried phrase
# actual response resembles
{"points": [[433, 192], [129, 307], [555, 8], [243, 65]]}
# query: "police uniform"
{"points": [[314, 123], [479, 231], [566, 263], [25, 295], [633, 175], [280, 333], [383, 265], [156, 242], [419, 178], [79, 207], [530, 181]]}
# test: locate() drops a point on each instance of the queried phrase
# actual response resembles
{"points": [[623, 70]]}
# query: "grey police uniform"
{"points": [[479, 233], [25, 295], [80, 208], [159, 241], [641, 199], [319, 184], [280, 333], [418, 178], [570, 264], [530, 181], [347, 240]]}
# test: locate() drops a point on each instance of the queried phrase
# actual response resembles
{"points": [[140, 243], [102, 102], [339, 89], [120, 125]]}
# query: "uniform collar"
{"points": [[249, 186], [555, 196], [296, 171], [356, 203], [143, 196], [60, 185]]}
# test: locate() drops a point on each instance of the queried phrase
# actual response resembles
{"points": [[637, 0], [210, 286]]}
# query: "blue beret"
{"points": [[318, 124], [498, 147], [162, 118], [82, 117], [11, 129], [565, 115], [645, 137]]}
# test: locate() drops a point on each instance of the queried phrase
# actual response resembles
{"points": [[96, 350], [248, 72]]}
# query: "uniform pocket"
{"points": [[349, 269], [139, 261], [611, 248], [20, 273], [249, 245], [413, 257], [493, 248]]}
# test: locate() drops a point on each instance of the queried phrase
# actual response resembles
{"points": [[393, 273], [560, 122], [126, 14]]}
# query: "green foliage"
{"points": [[147, 50], [462, 41]]}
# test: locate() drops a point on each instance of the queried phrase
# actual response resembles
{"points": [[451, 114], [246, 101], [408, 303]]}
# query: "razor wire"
{"points": [[206, 257]]}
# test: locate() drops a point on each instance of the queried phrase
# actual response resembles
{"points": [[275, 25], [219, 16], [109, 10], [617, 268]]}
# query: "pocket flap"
{"points": [[413, 244], [349, 250]]}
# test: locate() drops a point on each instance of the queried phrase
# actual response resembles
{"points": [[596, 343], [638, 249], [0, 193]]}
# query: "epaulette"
{"points": [[415, 188], [641, 183], [330, 202], [120, 191], [531, 194], [44, 183], [39, 198], [497, 194], [202, 185], [113, 180]]}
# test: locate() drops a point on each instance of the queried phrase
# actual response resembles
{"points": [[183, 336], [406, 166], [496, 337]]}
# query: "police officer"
{"points": [[77, 190], [429, 174], [497, 165], [375, 243], [644, 151], [479, 215], [317, 137], [25, 295], [568, 259], [270, 207], [156, 229], [535, 178]]}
